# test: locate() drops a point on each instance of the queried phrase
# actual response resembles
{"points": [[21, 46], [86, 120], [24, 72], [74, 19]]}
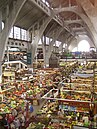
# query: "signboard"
{"points": [[8, 74], [29, 58]]}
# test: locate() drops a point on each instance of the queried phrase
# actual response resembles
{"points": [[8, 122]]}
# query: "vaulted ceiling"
{"points": [[78, 16]]}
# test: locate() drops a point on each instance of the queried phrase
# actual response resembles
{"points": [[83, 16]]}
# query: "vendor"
{"points": [[60, 113]]}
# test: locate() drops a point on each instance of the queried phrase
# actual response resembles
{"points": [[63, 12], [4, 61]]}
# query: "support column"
{"points": [[47, 50], [10, 15], [39, 35], [61, 47], [69, 41], [44, 48], [72, 44], [7, 53], [0, 59], [48, 53]]}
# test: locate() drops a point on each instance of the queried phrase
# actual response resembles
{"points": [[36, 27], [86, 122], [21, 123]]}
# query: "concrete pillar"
{"points": [[0, 58], [44, 48], [10, 15], [38, 36], [7, 53], [61, 47], [20, 34], [13, 32], [69, 41], [49, 52]]}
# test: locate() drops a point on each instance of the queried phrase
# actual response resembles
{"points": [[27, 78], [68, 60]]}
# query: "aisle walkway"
{"points": [[31, 116], [38, 107]]}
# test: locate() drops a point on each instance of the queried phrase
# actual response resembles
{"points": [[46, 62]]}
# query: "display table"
{"points": [[2, 92]]}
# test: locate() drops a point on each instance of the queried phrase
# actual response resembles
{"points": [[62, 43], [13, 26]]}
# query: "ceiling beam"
{"points": [[79, 12], [78, 28], [78, 21], [63, 9], [81, 33]]}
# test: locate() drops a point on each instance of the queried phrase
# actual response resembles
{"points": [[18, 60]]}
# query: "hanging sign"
{"points": [[29, 58]]}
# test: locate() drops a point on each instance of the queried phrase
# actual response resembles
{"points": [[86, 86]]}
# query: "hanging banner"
{"points": [[84, 75], [8, 73], [29, 58]]}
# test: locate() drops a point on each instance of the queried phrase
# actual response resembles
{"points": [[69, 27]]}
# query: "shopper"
{"points": [[22, 121], [14, 112], [5, 122], [10, 118], [31, 109], [1, 122], [60, 113], [17, 123]]}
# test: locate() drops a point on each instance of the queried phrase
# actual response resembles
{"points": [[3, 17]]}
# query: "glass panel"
{"points": [[75, 49], [23, 34], [64, 45], [2, 25], [47, 40], [43, 1], [57, 44], [40, 42], [16, 32]]}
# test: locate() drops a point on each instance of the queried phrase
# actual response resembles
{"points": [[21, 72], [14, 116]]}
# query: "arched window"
{"points": [[74, 49], [83, 46]]}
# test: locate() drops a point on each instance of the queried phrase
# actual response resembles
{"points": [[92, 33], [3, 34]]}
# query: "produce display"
{"points": [[11, 103], [4, 86], [67, 101], [75, 95], [10, 100], [68, 64], [76, 86], [54, 115], [68, 94], [82, 81], [14, 94], [73, 98], [86, 65]]}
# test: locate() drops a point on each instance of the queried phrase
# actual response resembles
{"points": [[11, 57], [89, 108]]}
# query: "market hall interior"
{"points": [[43, 33]]}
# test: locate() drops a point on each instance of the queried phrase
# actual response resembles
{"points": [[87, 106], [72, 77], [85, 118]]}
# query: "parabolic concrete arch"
{"points": [[87, 21], [79, 39]]}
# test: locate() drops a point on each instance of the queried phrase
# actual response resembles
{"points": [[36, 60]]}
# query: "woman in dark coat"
{"points": [[1, 123]]}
